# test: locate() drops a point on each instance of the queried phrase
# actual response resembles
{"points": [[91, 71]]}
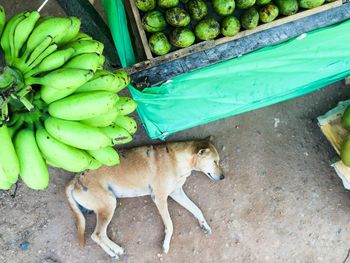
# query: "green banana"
{"points": [[127, 123], [72, 31], [2, 19], [50, 49], [60, 154], [4, 184], [63, 78], [23, 30], [117, 134], [55, 27], [49, 94], [102, 120], [13, 129], [23, 62], [94, 165], [8, 157], [125, 105], [7, 35], [83, 105], [107, 156], [81, 36], [51, 62], [86, 46], [77, 134], [101, 62], [123, 79], [88, 61], [33, 169], [102, 80]]}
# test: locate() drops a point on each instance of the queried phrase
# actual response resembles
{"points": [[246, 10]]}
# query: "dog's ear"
{"points": [[210, 138], [203, 151]]}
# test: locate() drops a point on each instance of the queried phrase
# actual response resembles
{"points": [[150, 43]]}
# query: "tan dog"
{"points": [[159, 171]]}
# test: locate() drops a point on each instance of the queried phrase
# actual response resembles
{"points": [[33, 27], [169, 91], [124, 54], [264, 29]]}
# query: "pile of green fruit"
{"points": [[58, 106], [179, 22]]}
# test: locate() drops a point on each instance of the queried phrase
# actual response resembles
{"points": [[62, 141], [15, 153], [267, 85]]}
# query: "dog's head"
{"points": [[207, 160]]}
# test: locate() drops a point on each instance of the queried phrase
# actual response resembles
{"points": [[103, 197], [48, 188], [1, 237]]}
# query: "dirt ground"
{"points": [[280, 202]]}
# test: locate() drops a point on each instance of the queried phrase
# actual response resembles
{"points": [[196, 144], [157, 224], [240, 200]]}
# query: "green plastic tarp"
{"points": [[258, 79]]}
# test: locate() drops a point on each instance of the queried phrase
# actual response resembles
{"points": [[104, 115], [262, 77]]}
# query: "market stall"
{"points": [[214, 79]]}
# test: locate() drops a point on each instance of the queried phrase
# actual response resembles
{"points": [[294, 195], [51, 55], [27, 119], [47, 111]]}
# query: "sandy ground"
{"points": [[280, 202]]}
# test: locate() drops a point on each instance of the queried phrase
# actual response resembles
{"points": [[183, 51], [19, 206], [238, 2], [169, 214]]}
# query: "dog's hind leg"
{"points": [[162, 205], [104, 214], [180, 197]]}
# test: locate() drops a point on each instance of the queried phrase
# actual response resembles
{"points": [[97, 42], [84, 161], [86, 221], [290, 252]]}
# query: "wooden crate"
{"points": [[147, 60], [330, 124]]}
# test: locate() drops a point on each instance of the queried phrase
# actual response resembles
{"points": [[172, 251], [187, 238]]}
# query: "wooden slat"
{"points": [[136, 38], [142, 32]]}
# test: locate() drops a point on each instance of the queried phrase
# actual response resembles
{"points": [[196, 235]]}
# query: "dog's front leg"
{"points": [[180, 197], [162, 205]]}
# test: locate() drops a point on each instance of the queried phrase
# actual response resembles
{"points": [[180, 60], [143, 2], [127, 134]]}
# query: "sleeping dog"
{"points": [[159, 171]]}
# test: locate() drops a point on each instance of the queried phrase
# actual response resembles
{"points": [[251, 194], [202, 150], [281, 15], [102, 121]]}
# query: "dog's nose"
{"points": [[222, 177]]}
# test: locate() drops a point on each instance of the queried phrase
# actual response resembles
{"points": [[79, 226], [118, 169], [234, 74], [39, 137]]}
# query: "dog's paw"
{"points": [[205, 228], [118, 250], [165, 248]]}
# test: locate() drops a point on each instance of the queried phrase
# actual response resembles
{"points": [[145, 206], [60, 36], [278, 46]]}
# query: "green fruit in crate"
{"points": [[153, 21], [197, 9], [177, 17], [223, 7], [345, 151], [159, 44], [182, 37], [262, 2], [145, 5], [168, 3], [230, 26], [250, 18], [268, 13], [287, 7], [245, 4], [207, 29], [308, 4]]}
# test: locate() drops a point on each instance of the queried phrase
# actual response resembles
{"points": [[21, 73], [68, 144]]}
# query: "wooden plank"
{"points": [[137, 42], [153, 75], [142, 32], [93, 24], [281, 21], [171, 56]]}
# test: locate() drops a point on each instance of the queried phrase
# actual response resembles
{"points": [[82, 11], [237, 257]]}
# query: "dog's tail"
{"points": [[76, 211]]}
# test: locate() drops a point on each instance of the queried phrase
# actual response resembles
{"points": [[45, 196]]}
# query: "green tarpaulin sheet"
{"points": [[258, 79]]}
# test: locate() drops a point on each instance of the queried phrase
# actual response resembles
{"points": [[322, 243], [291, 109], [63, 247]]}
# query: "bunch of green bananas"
{"points": [[58, 105]]}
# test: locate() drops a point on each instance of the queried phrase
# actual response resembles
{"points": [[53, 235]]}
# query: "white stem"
{"points": [[42, 5]]}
